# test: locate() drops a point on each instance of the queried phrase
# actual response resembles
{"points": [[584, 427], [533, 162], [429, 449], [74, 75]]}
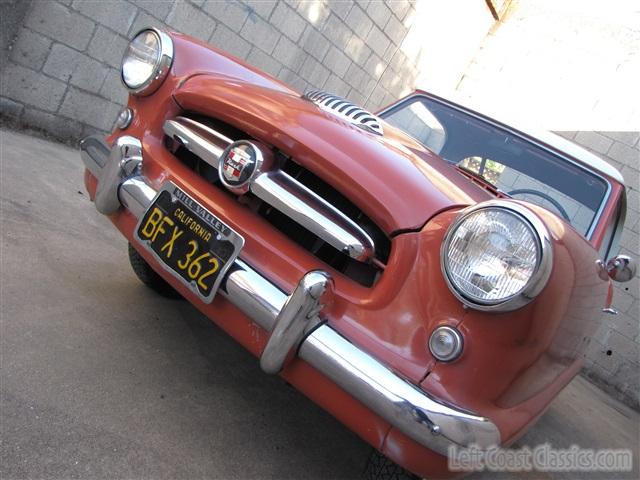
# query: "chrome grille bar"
{"points": [[199, 139], [286, 194], [281, 191]]}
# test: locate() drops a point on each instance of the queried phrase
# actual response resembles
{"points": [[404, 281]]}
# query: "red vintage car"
{"points": [[426, 274]]}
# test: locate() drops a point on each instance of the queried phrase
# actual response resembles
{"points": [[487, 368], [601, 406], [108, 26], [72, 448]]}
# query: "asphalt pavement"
{"points": [[102, 378]]}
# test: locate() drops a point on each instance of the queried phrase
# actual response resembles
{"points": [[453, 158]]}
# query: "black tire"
{"points": [[379, 467], [149, 277]]}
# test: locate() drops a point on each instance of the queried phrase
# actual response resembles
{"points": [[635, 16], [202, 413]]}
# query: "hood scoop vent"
{"points": [[345, 110]]}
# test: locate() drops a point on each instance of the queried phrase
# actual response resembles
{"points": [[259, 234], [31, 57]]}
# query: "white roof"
{"points": [[577, 152]]}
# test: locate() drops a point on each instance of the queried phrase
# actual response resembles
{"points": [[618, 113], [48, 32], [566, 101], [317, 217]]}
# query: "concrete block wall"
{"points": [[60, 72], [613, 356]]}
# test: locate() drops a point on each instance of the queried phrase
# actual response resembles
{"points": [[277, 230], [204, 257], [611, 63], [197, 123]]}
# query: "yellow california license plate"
{"points": [[189, 241]]}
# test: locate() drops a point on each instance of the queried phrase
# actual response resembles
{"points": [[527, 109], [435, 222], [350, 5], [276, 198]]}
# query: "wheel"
{"points": [[379, 467], [149, 277]]}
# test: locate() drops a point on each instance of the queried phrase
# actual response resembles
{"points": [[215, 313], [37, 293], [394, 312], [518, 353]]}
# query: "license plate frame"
{"points": [[211, 235]]}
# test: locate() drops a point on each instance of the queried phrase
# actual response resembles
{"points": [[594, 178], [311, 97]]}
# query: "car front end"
{"points": [[326, 245]]}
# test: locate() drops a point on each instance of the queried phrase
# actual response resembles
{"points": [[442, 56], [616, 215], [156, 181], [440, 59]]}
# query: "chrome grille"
{"points": [[291, 198], [345, 110]]}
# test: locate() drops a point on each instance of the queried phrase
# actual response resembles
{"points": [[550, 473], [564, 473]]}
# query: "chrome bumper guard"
{"points": [[294, 323]]}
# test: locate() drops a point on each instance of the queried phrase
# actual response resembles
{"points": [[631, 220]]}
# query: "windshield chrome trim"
{"points": [[524, 136]]}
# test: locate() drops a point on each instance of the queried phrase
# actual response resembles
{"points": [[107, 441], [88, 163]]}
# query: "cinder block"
{"points": [[628, 138], [357, 50], [112, 88], [391, 51], [567, 135], [230, 41], [314, 73], [623, 346], [400, 8], [60, 23], [89, 109], [380, 13], [293, 79], [411, 16], [32, 88], [359, 79], [390, 80], [631, 177], [60, 127], [231, 14], [76, 68], [264, 62], [375, 66], [315, 13], [399, 61], [629, 241], [260, 33], [389, 98], [188, 19], [261, 7], [107, 47], [395, 30], [31, 49], [289, 54], [376, 98], [359, 21], [337, 86], [625, 324], [629, 380], [622, 301], [10, 109], [633, 201], [625, 154], [603, 356], [340, 7], [356, 97], [115, 14], [336, 61], [89, 130], [598, 372], [154, 7], [144, 20], [288, 21], [337, 32], [314, 43], [593, 141], [378, 41]]}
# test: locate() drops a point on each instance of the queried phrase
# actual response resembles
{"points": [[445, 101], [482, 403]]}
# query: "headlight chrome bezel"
{"points": [[538, 279], [160, 69]]}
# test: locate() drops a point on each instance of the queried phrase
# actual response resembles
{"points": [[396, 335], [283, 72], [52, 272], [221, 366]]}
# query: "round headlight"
{"points": [[496, 256], [147, 61]]}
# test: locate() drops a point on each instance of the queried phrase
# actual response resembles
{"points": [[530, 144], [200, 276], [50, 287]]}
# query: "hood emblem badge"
{"points": [[240, 164], [345, 110]]}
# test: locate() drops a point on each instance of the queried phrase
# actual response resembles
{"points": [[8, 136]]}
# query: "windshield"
{"points": [[514, 165]]}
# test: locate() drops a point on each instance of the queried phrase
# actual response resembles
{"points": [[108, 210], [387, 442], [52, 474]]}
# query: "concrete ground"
{"points": [[101, 378]]}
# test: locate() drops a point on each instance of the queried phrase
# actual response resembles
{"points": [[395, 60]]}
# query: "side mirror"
{"points": [[621, 268]]}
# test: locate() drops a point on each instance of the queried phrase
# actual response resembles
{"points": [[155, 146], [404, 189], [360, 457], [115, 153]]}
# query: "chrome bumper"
{"points": [[293, 320]]}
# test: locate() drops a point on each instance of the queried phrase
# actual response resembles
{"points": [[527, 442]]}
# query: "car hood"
{"points": [[392, 178]]}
